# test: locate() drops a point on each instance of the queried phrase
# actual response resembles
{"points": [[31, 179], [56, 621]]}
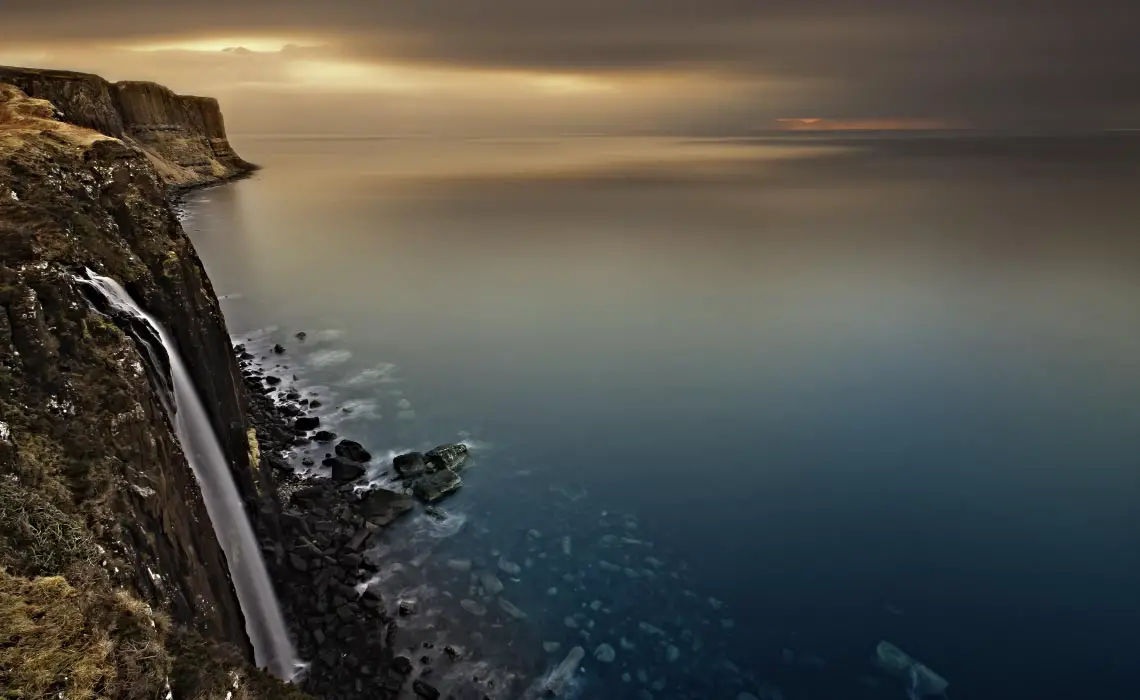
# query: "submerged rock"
{"points": [[325, 436], [352, 450], [491, 583], [921, 678], [551, 647], [605, 653], [508, 567], [511, 609], [460, 565], [477, 609], [561, 675]]}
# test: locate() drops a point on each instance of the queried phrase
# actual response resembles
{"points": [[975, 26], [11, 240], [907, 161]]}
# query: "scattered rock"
{"points": [[460, 565], [300, 335], [672, 653], [551, 647], [402, 665], [424, 690], [605, 653], [407, 607], [447, 457], [326, 436], [472, 607], [344, 471], [409, 464], [433, 487], [352, 450], [490, 583], [305, 423], [272, 381], [278, 349]]}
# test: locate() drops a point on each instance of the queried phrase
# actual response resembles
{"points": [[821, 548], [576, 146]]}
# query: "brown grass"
{"points": [[59, 641]]}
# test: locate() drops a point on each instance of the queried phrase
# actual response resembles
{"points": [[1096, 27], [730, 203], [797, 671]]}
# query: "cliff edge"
{"points": [[112, 582], [183, 136]]}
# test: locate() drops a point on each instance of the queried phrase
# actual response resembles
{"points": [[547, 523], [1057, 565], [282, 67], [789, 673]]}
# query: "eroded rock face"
{"points": [[184, 136], [84, 429]]}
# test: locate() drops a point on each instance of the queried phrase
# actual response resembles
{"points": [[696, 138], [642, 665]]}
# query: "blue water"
{"points": [[852, 392]]}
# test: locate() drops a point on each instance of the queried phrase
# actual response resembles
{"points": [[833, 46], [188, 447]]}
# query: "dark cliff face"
{"points": [[84, 438], [185, 136]]}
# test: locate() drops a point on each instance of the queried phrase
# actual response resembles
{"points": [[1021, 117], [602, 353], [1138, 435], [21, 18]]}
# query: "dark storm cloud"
{"points": [[1004, 62]]}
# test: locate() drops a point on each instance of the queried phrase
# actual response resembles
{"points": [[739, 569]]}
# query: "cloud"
{"points": [[982, 62]]}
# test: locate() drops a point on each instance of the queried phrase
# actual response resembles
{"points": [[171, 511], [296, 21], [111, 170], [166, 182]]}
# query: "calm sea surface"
{"points": [[765, 403]]}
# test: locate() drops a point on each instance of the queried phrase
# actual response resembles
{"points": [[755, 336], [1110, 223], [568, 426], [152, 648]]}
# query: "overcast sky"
{"points": [[535, 66]]}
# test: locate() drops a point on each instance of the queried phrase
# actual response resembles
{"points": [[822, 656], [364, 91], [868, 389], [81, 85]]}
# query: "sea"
{"points": [[739, 410]]}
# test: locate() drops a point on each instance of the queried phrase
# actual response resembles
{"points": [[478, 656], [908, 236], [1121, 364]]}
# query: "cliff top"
{"points": [[10, 72], [24, 120]]}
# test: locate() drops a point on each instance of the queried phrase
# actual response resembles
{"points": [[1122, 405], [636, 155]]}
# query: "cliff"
{"points": [[111, 578], [183, 136]]}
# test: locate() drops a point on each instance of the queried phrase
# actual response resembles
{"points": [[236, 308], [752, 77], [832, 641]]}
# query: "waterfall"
{"points": [[264, 623]]}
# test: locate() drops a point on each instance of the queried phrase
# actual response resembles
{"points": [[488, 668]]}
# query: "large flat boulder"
{"points": [[432, 487], [451, 457]]}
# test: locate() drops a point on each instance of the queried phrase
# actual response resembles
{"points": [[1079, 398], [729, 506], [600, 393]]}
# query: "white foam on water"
{"points": [[383, 373], [328, 358], [325, 336]]}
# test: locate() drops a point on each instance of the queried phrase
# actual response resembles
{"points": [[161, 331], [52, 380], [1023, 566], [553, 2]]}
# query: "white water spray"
{"points": [[264, 623]]}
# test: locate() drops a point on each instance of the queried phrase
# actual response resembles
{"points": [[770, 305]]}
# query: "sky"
{"points": [[528, 67]]}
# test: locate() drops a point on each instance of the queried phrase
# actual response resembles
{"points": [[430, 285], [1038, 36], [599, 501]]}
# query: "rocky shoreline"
{"points": [[318, 549]]}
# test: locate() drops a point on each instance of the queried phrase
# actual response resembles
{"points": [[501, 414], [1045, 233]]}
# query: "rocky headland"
{"points": [[112, 581]]}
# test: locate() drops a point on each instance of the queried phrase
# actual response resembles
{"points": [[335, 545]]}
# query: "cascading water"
{"points": [[264, 623]]}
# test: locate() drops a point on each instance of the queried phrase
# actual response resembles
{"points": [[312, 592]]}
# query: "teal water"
{"points": [[849, 391]]}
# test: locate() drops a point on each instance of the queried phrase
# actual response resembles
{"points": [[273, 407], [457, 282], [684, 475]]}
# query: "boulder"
{"points": [[307, 423], [352, 450], [278, 349], [381, 506], [433, 487], [344, 471], [409, 464], [329, 436], [402, 665], [424, 690], [446, 457]]}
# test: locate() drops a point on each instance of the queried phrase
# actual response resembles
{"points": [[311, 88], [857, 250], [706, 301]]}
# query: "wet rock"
{"points": [[272, 381], [313, 403], [533, 534], [300, 335], [382, 506], [605, 653], [305, 423], [650, 629], [424, 690], [352, 450], [278, 349], [627, 644], [672, 653], [402, 665], [570, 622], [298, 562], [344, 471], [326, 436], [406, 607], [433, 487], [409, 464], [450, 457], [477, 609], [551, 647], [307, 462], [566, 545], [452, 652]]}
